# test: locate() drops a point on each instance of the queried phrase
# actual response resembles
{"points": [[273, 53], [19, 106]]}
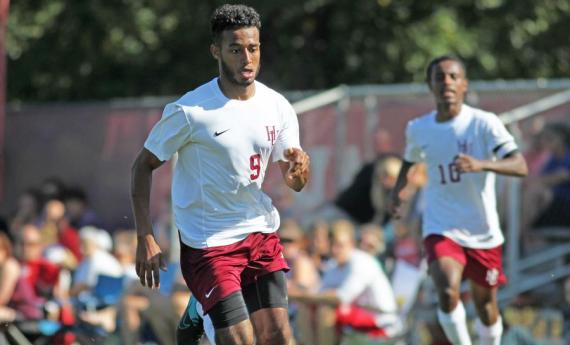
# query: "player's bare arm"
{"points": [[401, 182], [296, 170], [511, 165], [149, 258]]}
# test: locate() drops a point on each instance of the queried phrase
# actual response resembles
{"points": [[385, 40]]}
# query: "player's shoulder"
{"points": [[483, 117], [200, 95], [421, 121], [269, 93]]}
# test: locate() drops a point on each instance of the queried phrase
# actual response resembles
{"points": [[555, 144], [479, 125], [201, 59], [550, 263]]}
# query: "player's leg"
{"points": [[489, 325], [214, 278], [446, 263], [231, 321], [485, 270], [266, 301], [191, 326]]}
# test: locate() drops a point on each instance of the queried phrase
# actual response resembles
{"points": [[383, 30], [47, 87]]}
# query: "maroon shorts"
{"points": [[359, 319], [216, 272], [483, 266]]}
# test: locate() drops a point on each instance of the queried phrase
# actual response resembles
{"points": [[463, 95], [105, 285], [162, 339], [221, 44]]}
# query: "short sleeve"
{"points": [[288, 137], [498, 140], [413, 152], [169, 134]]}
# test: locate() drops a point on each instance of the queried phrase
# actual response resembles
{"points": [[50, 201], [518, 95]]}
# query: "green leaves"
{"points": [[94, 49]]}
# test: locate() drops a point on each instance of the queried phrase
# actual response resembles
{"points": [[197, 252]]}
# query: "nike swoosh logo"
{"points": [[216, 133], [210, 292]]}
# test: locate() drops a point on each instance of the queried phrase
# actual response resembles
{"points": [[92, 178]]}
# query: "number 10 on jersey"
{"points": [[449, 173]]}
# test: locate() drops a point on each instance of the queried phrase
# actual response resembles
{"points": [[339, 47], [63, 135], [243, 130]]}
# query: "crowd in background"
{"points": [[66, 277]]}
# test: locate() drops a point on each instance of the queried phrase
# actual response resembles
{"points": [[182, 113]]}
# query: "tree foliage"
{"points": [[96, 49]]}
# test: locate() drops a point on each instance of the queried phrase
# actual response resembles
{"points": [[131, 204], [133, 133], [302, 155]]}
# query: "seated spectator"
{"points": [[355, 293], [96, 261], [39, 272], [16, 296], [319, 244], [372, 242], [124, 249], [303, 276]]}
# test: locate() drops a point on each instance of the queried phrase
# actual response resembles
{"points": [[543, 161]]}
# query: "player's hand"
{"points": [[466, 163], [149, 261], [299, 162]]}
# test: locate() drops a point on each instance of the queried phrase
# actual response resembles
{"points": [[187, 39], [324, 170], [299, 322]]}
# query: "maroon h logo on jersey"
{"points": [[270, 134], [463, 146]]}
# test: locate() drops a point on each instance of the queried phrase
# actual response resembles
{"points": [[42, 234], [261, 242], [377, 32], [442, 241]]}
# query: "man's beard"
{"points": [[230, 76]]}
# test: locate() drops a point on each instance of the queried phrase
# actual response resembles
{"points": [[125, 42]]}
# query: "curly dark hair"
{"points": [[439, 59], [233, 16]]}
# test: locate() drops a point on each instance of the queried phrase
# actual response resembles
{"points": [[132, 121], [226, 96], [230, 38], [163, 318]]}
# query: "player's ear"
{"points": [[215, 51]]}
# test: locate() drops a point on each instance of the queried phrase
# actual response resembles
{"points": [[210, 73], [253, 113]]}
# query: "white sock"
{"points": [[454, 325], [489, 335]]}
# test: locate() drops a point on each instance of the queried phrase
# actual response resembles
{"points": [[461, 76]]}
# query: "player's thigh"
{"points": [[213, 274], [446, 262], [230, 319], [267, 304]]}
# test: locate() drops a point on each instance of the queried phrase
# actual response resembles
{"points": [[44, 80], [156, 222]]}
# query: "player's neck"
{"points": [[234, 91], [446, 112]]}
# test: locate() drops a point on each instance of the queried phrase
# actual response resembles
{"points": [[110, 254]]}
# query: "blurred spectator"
{"points": [[555, 176], [78, 211], [303, 276], [547, 196], [355, 293], [16, 296], [372, 241], [319, 244], [54, 211], [27, 211], [96, 261], [40, 273], [383, 181], [535, 153], [124, 249]]}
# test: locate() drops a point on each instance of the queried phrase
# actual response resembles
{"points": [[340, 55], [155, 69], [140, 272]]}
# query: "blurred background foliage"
{"points": [[96, 49]]}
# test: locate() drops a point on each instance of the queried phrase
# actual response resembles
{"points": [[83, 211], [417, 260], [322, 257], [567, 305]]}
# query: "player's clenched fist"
{"points": [[465, 163], [298, 171]]}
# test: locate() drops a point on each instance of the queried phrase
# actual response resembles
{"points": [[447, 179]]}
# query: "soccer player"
{"points": [[463, 148], [224, 133]]}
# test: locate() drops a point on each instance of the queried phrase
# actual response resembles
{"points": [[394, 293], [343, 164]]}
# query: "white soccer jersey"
{"points": [[461, 206], [361, 281], [223, 149]]}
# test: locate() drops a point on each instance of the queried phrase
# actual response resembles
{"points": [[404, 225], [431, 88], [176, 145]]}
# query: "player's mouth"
{"points": [[247, 73], [448, 93]]}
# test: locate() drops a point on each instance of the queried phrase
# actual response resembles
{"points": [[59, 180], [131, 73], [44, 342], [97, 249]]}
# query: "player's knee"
{"points": [[274, 337], [448, 299]]}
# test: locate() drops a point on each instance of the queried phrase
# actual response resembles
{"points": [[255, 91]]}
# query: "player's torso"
{"points": [[233, 143], [461, 205], [441, 143]]}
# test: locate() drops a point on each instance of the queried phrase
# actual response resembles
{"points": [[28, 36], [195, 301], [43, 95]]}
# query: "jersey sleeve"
{"points": [[288, 137], [498, 140], [413, 153], [356, 281], [169, 134]]}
